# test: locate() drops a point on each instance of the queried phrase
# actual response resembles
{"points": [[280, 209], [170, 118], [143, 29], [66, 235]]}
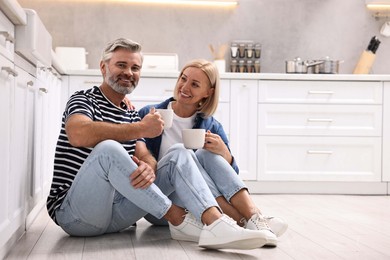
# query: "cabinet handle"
{"points": [[8, 36], [168, 90], [43, 90], [319, 152], [328, 120], [321, 92], [11, 71], [30, 83]]}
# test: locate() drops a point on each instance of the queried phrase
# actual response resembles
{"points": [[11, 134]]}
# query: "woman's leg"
{"points": [[101, 198], [229, 184], [178, 172]]}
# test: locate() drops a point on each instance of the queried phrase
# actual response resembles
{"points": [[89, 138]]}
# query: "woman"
{"points": [[195, 101]]}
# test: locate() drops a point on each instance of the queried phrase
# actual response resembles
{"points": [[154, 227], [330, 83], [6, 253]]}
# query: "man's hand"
{"points": [[143, 176], [153, 124]]}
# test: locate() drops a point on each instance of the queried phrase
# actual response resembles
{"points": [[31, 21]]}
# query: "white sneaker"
{"points": [[277, 225], [188, 230], [258, 222], [225, 233]]}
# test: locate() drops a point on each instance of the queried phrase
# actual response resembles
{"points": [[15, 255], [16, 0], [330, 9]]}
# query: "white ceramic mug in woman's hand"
{"points": [[193, 138]]}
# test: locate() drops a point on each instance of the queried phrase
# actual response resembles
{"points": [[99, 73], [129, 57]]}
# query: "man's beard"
{"points": [[110, 80]]}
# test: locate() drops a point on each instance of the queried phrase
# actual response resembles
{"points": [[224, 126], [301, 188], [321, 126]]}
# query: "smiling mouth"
{"points": [[185, 95]]}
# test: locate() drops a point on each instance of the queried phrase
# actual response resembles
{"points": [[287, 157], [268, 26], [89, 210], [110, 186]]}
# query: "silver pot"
{"points": [[328, 66], [299, 66]]}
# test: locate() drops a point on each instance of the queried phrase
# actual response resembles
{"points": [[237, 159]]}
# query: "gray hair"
{"points": [[121, 43]]}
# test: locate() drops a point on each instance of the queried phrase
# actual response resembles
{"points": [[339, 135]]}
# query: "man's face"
{"points": [[122, 71]]}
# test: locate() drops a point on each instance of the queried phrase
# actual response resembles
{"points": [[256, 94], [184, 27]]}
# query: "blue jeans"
{"points": [[102, 200], [220, 177]]}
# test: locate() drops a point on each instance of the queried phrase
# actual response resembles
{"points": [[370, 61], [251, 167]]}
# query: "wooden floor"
{"points": [[320, 227]]}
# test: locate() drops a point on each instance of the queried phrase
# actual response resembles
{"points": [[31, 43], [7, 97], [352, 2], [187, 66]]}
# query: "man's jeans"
{"points": [[102, 200]]}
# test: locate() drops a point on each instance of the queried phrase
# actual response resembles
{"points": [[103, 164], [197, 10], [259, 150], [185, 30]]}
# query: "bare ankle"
{"points": [[175, 215]]}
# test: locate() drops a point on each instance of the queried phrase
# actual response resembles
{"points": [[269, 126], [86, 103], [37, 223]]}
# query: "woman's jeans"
{"points": [[102, 200], [220, 177]]}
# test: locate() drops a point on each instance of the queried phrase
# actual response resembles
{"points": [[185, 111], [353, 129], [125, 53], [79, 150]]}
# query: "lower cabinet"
{"points": [[386, 133], [243, 122], [30, 105], [309, 158]]}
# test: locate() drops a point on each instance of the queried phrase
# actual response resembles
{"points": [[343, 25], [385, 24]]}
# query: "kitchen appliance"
{"points": [[160, 62], [33, 41], [72, 58]]}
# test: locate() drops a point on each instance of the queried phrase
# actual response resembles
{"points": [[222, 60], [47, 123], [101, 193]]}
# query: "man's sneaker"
{"points": [[277, 225], [188, 230], [225, 233], [258, 222]]}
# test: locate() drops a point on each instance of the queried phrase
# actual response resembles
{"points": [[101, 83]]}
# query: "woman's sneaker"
{"points": [[258, 222], [188, 230], [277, 225], [224, 233]]}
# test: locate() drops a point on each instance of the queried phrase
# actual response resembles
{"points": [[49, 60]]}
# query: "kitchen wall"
{"points": [[310, 29]]}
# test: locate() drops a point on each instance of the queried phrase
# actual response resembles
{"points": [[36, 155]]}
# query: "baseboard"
{"points": [[299, 187]]}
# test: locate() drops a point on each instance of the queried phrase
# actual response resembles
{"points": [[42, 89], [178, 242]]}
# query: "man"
{"points": [[104, 176]]}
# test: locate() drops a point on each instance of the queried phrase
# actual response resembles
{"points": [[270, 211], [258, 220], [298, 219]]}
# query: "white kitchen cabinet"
{"points": [[309, 158], [386, 133], [7, 37], [243, 122], [319, 131], [7, 83]]}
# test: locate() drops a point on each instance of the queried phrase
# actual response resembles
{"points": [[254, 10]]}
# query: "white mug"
{"points": [[167, 116], [193, 138]]}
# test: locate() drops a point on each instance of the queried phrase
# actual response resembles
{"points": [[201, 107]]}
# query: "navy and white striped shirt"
{"points": [[68, 159]]}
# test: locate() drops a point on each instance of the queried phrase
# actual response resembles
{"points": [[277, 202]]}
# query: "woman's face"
{"points": [[192, 87]]}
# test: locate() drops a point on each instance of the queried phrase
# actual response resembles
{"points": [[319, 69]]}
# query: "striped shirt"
{"points": [[68, 159]]}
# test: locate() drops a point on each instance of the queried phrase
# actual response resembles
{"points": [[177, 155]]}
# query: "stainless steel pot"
{"points": [[299, 66], [328, 66]]}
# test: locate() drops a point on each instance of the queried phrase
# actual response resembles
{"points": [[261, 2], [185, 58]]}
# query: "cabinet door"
{"points": [[19, 149], [243, 126], [7, 37], [386, 133], [7, 82], [294, 158]]}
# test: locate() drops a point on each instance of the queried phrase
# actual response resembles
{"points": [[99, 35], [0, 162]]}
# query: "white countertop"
{"points": [[263, 76]]}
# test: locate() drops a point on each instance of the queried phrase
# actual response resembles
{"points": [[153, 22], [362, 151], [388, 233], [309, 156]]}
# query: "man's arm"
{"points": [[83, 132]]}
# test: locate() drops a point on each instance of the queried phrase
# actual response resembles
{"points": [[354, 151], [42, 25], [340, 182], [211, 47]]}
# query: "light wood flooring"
{"points": [[320, 227]]}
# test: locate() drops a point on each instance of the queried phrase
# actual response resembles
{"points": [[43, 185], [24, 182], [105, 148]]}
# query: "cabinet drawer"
{"points": [[7, 37], [329, 92], [312, 119], [319, 158]]}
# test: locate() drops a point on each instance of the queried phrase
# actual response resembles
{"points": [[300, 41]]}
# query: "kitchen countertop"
{"points": [[261, 76]]}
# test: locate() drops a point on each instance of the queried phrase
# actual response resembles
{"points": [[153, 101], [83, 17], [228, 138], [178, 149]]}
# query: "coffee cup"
{"points": [[193, 138], [167, 116]]}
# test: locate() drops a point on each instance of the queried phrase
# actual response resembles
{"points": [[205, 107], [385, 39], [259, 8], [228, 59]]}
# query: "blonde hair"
{"points": [[208, 105]]}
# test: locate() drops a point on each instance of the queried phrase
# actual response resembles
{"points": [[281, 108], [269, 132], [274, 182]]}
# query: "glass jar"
{"points": [[257, 50], [242, 66], [234, 66]]}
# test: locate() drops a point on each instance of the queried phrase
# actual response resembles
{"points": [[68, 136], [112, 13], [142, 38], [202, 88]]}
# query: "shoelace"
{"points": [[260, 222], [191, 219]]}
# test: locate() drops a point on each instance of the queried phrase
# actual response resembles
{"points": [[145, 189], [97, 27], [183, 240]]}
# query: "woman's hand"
{"points": [[143, 176], [215, 144], [128, 103]]}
